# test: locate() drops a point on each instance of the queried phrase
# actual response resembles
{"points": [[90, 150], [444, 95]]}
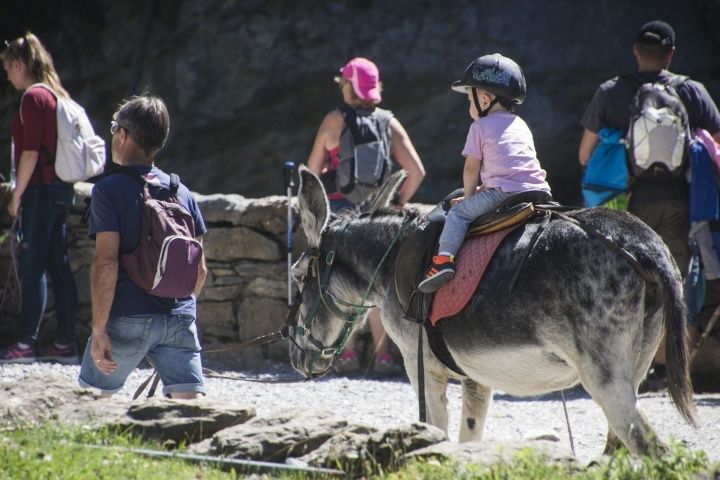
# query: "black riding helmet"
{"points": [[496, 74]]}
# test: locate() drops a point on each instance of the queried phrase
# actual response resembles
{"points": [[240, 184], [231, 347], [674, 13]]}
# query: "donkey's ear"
{"points": [[314, 208], [384, 195]]}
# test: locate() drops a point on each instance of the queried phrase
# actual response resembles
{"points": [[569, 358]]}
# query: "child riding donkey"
{"points": [[499, 151]]}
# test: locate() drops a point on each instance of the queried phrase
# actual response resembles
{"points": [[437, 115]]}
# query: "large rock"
{"points": [[216, 319], [257, 316], [361, 450], [37, 398], [221, 208], [268, 213], [229, 244], [249, 269], [221, 293], [268, 287], [182, 420], [284, 434]]}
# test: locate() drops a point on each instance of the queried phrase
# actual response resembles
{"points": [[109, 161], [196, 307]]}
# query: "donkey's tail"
{"points": [[676, 351]]}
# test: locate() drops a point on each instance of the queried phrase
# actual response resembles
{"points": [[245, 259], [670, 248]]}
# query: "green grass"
{"points": [[679, 463], [55, 452]]}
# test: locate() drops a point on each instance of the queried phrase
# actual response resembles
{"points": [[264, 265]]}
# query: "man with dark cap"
{"points": [[662, 203]]}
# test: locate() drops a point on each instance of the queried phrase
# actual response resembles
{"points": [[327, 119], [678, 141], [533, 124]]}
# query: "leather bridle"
{"points": [[320, 269]]}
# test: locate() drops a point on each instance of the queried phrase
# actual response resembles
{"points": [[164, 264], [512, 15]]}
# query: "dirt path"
{"points": [[392, 402]]}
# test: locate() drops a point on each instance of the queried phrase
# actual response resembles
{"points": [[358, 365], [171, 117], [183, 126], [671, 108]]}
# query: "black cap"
{"points": [[656, 33]]}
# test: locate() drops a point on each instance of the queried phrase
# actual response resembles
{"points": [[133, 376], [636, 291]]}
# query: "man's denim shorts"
{"points": [[170, 342]]}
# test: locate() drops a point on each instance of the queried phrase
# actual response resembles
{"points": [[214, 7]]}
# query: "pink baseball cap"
{"points": [[364, 77]]}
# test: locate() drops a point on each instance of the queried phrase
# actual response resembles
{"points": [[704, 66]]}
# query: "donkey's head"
{"points": [[330, 301]]}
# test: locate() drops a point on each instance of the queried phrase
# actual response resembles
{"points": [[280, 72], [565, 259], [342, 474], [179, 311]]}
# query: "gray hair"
{"points": [[146, 120]]}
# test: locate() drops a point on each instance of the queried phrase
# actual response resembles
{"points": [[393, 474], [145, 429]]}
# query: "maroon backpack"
{"points": [[167, 260]]}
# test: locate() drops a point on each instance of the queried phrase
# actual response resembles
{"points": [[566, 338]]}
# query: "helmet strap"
{"points": [[483, 113]]}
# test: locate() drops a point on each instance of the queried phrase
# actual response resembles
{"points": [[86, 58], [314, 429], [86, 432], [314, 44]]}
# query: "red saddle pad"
{"points": [[471, 263]]}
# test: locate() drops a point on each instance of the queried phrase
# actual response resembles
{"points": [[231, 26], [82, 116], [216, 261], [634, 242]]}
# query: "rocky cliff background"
{"points": [[248, 82]]}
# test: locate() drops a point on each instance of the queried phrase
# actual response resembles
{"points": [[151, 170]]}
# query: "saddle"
{"points": [[417, 250]]}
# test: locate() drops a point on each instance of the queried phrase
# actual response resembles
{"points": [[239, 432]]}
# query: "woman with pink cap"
{"points": [[350, 138]]}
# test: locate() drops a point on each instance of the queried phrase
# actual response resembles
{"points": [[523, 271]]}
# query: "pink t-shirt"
{"points": [[504, 144]]}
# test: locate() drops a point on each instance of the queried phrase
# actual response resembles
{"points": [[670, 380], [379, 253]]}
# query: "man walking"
{"points": [[660, 201], [127, 322]]}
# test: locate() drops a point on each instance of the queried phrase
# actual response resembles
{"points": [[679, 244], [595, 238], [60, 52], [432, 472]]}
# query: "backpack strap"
{"points": [[383, 118], [174, 183], [35, 85], [119, 169], [350, 117], [676, 81], [125, 171]]}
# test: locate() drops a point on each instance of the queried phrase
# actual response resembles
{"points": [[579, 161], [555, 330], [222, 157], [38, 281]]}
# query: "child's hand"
{"points": [[455, 201]]}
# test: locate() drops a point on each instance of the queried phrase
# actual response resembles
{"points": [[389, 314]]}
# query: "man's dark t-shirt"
{"points": [[117, 204], [610, 107]]}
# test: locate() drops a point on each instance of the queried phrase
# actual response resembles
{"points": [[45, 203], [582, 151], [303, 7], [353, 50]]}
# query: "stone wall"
{"points": [[246, 291]]}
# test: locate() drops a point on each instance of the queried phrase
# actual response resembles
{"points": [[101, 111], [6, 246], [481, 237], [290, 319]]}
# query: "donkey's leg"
{"points": [[476, 402], [436, 381], [612, 444], [615, 394]]}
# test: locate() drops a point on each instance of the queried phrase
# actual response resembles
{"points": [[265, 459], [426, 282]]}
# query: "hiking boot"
{"points": [[440, 272], [55, 352], [385, 365], [17, 353], [349, 361]]}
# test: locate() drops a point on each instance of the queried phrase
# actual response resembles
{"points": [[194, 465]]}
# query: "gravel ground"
{"points": [[389, 402]]}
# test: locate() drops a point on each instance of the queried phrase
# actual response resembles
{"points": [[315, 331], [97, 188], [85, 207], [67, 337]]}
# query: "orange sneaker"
{"points": [[440, 272]]}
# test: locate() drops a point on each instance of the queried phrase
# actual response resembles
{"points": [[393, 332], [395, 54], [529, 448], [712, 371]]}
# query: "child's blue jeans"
{"points": [[462, 215]]}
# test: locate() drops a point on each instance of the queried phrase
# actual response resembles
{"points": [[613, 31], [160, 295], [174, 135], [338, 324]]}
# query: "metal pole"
{"points": [[288, 171]]}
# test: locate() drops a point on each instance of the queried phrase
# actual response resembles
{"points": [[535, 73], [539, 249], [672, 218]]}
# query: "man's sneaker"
{"points": [[349, 361], [18, 354], [440, 272], [66, 354]]}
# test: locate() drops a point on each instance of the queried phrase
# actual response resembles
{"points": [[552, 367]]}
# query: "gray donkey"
{"points": [[579, 313]]}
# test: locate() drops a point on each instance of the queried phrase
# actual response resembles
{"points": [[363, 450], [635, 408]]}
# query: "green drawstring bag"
{"points": [[619, 202]]}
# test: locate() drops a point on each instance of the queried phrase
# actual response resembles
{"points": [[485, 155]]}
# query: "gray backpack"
{"points": [[364, 152], [659, 134]]}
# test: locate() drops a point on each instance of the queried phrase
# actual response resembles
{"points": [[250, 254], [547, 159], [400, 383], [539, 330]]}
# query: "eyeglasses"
{"points": [[114, 126]]}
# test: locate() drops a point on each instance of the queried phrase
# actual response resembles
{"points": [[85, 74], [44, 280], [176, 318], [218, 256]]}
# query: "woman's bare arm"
{"points": [[407, 157]]}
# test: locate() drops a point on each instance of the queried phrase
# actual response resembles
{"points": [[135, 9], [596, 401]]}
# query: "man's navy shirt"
{"points": [[117, 205]]}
